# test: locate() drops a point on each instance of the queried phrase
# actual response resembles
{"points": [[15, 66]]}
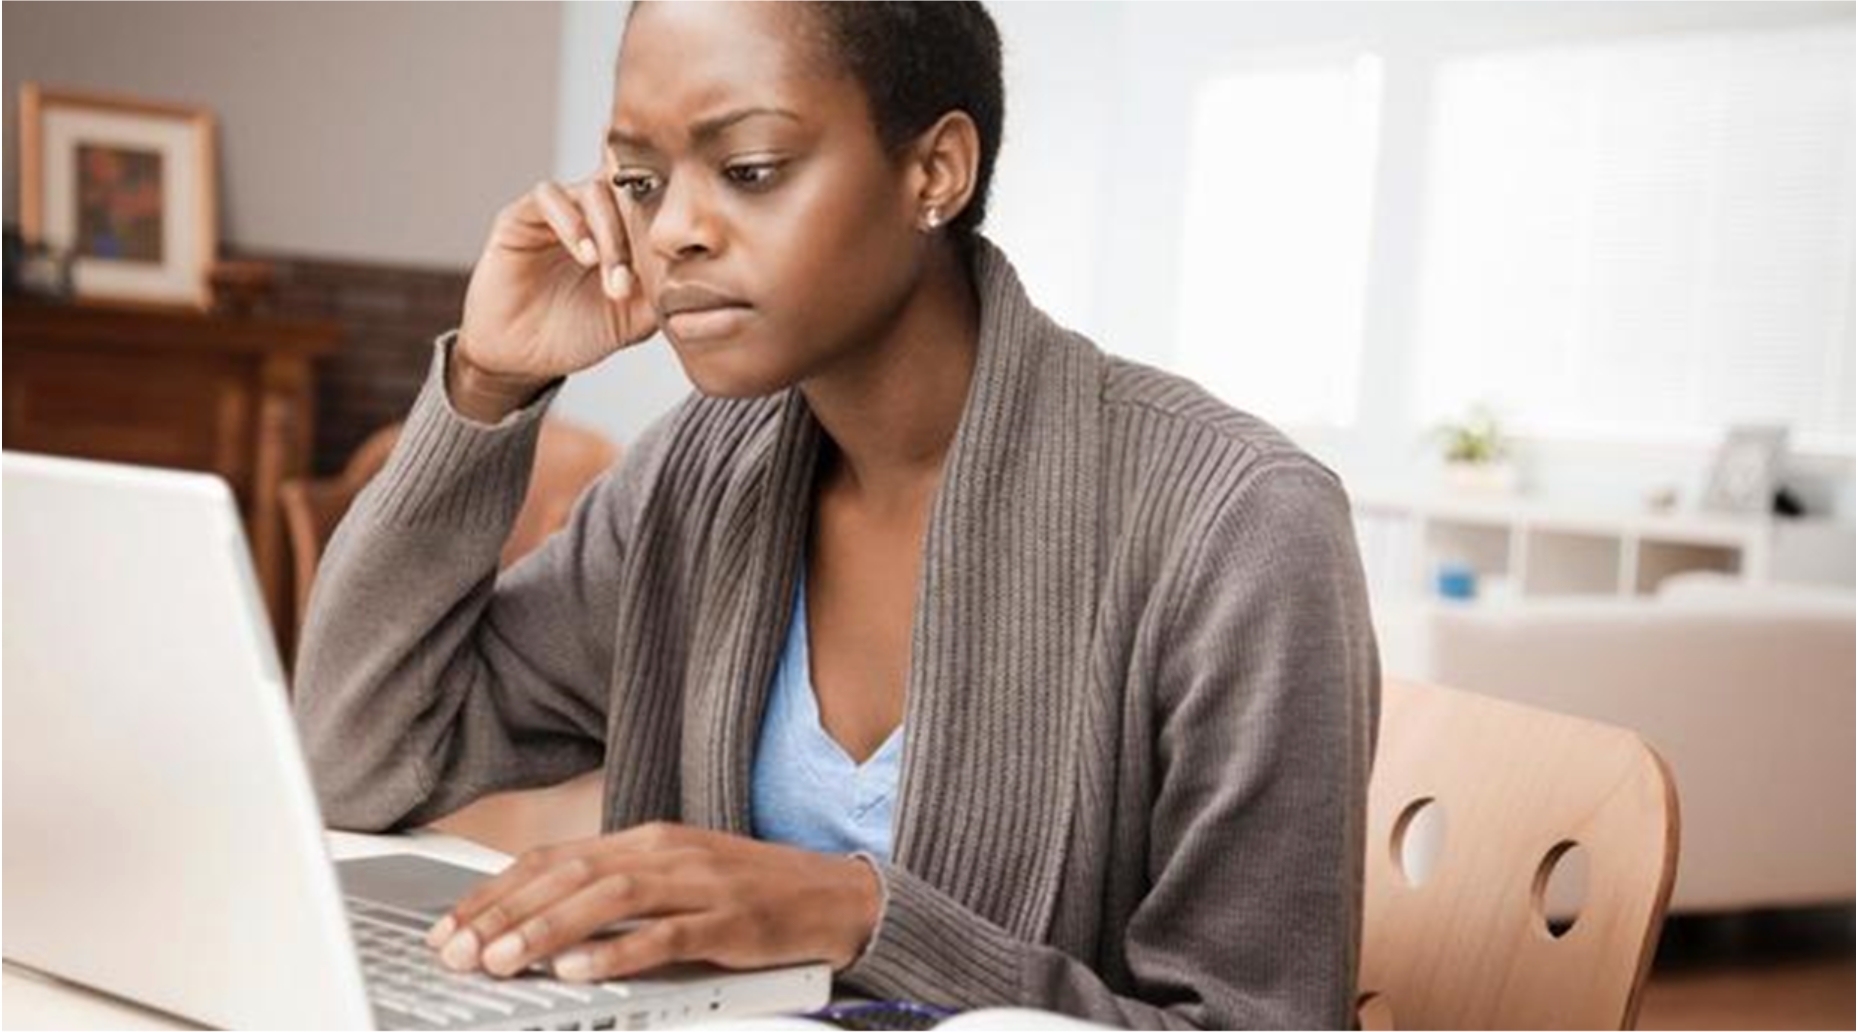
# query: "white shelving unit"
{"points": [[1525, 550], [1533, 549]]}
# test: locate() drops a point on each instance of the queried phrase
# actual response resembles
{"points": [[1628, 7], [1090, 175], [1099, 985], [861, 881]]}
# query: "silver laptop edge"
{"points": [[156, 797]]}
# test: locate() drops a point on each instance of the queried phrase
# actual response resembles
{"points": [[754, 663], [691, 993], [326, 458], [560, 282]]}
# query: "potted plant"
{"points": [[1477, 455]]}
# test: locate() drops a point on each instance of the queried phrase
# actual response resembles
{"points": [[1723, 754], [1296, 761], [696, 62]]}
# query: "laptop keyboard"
{"points": [[405, 978]]}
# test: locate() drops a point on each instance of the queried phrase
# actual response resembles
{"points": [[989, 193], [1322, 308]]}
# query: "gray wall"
{"points": [[375, 132]]}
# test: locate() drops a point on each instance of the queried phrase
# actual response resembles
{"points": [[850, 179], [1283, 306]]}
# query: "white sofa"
{"points": [[1746, 692]]}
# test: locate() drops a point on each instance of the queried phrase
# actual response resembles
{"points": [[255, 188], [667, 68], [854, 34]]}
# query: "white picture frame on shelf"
{"points": [[125, 186], [1746, 470]]}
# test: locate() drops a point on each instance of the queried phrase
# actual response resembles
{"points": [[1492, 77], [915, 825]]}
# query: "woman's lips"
{"points": [[707, 323]]}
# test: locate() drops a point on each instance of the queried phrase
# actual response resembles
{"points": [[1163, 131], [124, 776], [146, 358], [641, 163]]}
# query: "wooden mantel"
{"points": [[159, 387]]}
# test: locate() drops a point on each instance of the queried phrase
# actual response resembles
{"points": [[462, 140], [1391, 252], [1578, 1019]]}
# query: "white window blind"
{"points": [[1275, 245], [1646, 238]]}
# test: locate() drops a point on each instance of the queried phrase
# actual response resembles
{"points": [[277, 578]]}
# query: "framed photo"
{"points": [[127, 188], [1746, 470]]}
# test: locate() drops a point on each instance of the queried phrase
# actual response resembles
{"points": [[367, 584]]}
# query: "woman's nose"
{"points": [[683, 225]]}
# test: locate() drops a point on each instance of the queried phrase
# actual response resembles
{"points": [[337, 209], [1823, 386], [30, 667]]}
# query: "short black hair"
{"points": [[917, 61]]}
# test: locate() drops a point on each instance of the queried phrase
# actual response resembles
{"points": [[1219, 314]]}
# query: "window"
{"points": [[1279, 194], [1647, 238]]}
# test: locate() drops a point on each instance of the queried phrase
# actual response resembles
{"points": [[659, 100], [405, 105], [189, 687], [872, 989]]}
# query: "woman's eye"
{"points": [[753, 176], [630, 185], [757, 174]]}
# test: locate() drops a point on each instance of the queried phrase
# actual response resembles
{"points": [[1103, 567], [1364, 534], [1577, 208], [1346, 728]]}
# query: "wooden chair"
{"points": [[312, 508], [1471, 945], [568, 458]]}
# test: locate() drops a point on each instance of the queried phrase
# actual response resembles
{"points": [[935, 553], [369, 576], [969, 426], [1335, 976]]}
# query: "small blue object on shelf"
{"points": [[1457, 582]]}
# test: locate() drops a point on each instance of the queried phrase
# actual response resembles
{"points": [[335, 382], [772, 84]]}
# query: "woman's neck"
{"points": [[891, 411]]}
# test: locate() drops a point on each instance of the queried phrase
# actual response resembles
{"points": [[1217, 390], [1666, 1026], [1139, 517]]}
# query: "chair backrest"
{"points": [[312, 508], [567, 459], [1471, 945]]}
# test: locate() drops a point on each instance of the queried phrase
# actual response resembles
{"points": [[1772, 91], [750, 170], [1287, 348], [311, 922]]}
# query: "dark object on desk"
{"points": [[179, 389], [35, 270], [883, 1014], [242, 287]]}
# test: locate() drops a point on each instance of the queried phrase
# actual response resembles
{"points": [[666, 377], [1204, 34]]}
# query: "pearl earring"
{"points": [[933, 218]]}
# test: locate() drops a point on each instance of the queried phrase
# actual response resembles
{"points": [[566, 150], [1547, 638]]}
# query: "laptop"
{"points": [[163, 842]]}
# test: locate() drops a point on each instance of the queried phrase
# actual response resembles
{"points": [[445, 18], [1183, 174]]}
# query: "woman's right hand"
{"points": [[553, 292]]}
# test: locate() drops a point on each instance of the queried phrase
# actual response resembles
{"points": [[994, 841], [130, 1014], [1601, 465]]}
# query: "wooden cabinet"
{"points": [[232, 396]]}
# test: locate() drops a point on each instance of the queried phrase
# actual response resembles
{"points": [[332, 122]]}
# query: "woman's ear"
{"points": [[945, 164]]}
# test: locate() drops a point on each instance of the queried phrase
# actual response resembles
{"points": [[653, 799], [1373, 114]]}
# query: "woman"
{"points": [[1061, 668]]}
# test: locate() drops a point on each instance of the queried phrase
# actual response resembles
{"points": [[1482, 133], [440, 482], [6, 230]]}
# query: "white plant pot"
{"points": [[1481, 478]]}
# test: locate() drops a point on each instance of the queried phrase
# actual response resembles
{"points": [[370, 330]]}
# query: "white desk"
{"points": [[29, 999]]}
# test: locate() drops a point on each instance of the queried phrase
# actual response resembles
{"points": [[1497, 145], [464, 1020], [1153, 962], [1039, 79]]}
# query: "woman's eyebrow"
{"points": [[702, 131]]}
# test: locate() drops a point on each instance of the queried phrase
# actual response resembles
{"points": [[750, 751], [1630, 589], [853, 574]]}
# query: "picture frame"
{"points": [[127, 188], [1746, 470]]}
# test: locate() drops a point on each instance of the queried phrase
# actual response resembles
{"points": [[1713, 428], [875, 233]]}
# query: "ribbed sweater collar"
{"points": [[1004, 609]]}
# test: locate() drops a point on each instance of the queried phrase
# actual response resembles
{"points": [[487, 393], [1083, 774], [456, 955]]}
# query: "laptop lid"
{"points": [[163, 838]]}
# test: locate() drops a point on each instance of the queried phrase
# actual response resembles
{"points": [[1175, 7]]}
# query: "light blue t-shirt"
{"points": [[805, 791]]}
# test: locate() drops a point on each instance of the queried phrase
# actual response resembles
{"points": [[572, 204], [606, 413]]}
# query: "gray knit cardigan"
{"points": [[1142, 694]]}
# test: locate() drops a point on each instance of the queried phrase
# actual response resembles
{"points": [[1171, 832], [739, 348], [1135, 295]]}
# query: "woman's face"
{"points": [[800, 216]]}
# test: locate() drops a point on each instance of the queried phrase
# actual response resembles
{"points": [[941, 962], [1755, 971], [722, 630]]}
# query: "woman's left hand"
{"points": [[699, 895]]}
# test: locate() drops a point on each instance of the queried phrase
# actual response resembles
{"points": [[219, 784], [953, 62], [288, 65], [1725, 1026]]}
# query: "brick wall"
{"points": [[389, 315]]}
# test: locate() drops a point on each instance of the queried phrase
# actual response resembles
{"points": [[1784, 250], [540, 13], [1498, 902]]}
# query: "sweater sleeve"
{"points": [[425, 678], [1267, 697]]}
